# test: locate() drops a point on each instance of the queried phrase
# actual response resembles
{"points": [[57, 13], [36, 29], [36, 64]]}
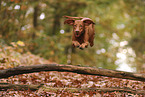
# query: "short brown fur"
{"points": [[83, 31]]}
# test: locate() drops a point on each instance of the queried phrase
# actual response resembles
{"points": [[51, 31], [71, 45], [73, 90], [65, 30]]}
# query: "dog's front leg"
{"points": [[83, 45], [86, 40], [75, 43]]}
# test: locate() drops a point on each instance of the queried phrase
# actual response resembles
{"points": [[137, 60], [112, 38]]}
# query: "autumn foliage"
{"points": [[32, 32], [58, 79]]}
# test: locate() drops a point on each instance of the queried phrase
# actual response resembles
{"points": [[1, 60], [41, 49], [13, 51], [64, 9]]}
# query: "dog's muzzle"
{"points": [[77, 34]]}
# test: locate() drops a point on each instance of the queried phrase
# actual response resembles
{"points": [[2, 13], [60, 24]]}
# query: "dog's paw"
{"points": [[76, 44], [81, 48], [84, 45]]}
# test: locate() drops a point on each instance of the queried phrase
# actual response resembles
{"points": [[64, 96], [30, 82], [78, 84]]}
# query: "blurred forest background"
{"points": [[36, 26]]}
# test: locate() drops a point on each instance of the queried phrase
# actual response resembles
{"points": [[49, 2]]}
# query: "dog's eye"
{"points": [[81, 26]]}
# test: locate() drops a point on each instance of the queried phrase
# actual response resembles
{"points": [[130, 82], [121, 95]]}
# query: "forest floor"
{"points": [[10, 58]]}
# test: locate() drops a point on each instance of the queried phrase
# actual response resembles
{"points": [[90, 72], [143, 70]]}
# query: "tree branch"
{"points": [[94, 89], [6, 86], [40, 88], [71, 68]]}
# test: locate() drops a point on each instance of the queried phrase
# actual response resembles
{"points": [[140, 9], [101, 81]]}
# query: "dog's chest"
{"points": [[80, 39]]}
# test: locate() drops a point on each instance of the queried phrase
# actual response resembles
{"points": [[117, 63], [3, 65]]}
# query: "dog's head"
{"points": [[79, 25]]}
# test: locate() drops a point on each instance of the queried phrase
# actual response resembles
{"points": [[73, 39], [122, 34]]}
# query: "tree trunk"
{"points": [[35, 20], [35, 16], [70, 68], [57, 16], [56, 24], [0, 4]]}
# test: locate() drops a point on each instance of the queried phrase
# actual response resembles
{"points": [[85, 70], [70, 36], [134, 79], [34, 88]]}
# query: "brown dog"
{"points": [[83, 31]]}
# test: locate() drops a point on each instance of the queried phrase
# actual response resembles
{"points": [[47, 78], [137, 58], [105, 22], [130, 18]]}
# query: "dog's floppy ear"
{"points": [[87, 21], [69, 21]]}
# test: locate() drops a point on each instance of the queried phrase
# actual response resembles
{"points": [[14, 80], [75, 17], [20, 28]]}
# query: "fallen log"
{"points": [[71, 68], [41, 88]]}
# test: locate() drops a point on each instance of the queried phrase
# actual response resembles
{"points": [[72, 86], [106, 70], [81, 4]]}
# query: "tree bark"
{"points": [[41, 88], [71, 68]]}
